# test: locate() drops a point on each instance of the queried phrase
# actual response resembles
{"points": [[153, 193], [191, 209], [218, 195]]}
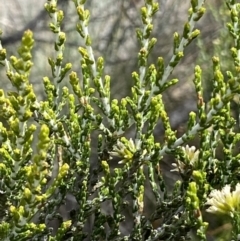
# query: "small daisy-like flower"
{"points": [[125, 149], [224, 201]]}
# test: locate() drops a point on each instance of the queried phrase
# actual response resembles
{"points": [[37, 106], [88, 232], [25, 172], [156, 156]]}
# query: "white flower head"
{"points": [[224, 201], [124, 149], [191, 154], [191, 158]]}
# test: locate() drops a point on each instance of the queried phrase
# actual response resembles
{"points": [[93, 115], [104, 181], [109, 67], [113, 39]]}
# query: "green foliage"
{"points": [[46, 147]]}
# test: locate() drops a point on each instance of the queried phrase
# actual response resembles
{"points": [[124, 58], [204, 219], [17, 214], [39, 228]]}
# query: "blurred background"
{"points": [[112, 28]]}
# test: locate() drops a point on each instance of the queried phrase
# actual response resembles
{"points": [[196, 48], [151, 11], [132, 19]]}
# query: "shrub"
{"points": [[47, 146]]}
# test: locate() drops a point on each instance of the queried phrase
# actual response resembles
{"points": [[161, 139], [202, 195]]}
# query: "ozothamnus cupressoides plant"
{"points": [[36, 178]]}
